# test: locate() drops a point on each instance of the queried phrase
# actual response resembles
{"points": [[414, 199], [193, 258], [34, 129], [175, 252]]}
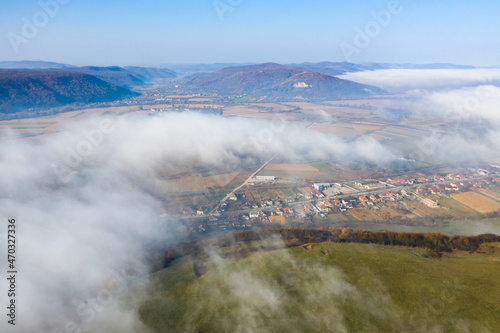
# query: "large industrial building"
{"points": [[266, 178]]}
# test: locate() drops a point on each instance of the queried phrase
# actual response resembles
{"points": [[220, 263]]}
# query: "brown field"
{"points": [[404, 131], [241, 110], [354, 174], [477, 202], [305, 190], [363, 214], [490, 193], [280, 194], [397, 210], [351, 117], [277, 220], [256, 196], [455, 208], [377, 129], [391, 211], [271, 194], [291, 167], [193, 183], [342, 130], [424, 210], [274, 106], [306, 105], [276, 194], [248, 196], [379, 102], [265, 194]]}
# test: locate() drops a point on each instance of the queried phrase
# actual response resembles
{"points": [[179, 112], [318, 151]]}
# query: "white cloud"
{"points": [[402, 80], [93, 215], [480, 102]]}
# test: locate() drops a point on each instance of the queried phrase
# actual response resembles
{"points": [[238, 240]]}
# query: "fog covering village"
{"points": [[108, 185], [346, 196]]}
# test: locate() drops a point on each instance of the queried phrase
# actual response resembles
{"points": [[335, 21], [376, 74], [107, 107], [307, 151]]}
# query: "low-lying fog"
{"points": [[85, 211]]}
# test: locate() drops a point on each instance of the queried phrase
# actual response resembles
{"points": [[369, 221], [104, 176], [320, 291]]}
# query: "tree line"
{"points": [[200, 250]]}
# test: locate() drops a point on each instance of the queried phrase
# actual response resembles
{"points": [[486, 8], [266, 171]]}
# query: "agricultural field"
{"points": [[193, 183], [423, 210], [363, 214], [280, 194], [37, 127], [291, 168], [248, 196], [455, 227], [391, 211], [294, 173], [278, 220], [256, 196], [339, 130], [398, 132], [265, 194], [288, 193], [272, 194], [305, 190], [490, 194], [349, 175], [253, 111], [338, 217], [402, 210], [456, 208], [326, 167], [477, 202], [273, 106]]}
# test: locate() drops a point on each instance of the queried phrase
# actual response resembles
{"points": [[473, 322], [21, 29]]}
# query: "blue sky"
{"points": [[123, 32]]}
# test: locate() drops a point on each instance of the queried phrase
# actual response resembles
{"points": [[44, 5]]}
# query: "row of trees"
{"points": [[202, 249], [431, 240]]}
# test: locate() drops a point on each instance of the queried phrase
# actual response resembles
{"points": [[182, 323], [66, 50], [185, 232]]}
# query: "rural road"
{"points": [[249, 178], [246, 181]]}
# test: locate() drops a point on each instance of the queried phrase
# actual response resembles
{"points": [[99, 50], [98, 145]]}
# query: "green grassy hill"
{"points": [[330, 287]]}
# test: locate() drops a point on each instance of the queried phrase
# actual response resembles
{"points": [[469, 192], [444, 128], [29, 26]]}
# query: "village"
{"points": [[471, 192]]}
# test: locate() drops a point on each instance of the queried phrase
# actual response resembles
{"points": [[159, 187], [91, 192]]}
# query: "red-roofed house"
{"points": [[288, 212], [322, 208], [319, 194], [363, 199]]}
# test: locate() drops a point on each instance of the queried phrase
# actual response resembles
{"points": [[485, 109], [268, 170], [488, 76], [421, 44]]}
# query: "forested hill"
{"points": [[24, 89]]}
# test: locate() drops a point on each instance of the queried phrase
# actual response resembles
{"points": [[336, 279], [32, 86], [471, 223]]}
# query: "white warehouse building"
{"points": [[321, 186], [266, 178]]}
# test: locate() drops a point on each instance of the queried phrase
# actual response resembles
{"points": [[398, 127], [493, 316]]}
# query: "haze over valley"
{"points": [[221, 168]]}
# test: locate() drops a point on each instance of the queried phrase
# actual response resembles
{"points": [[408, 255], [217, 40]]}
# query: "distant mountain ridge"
{"points": [[150, 73], [50, 84], [174, 70], [276, 81], [32, 64], [189, 69], [112, 74], [23, 89], [129, 76], [339, 68]]}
